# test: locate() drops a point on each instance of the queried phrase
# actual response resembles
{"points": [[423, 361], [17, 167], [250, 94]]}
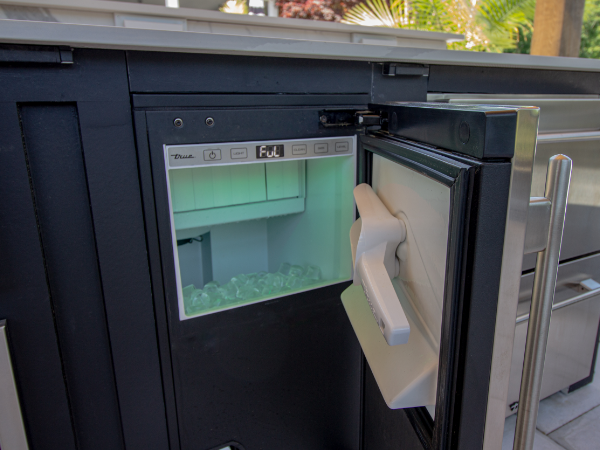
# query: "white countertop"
{"points": [[159, 17], [111, 37]]}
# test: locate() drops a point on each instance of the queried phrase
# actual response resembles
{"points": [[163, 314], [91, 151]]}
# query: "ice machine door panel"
{"points": [[442, 172], [406, 371]]}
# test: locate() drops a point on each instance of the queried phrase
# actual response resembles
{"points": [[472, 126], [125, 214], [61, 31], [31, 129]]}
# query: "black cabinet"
{"points": [[75, 290], [88, 290]]}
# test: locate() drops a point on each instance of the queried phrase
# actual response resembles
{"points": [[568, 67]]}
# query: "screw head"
{"points": [[323, 118], [178, 122], [210, 121]]}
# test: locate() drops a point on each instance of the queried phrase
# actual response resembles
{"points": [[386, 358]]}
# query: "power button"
{"points": [[212, 154]]}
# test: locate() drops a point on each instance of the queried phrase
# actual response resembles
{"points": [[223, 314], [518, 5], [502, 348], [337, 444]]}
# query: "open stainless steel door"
{"points": [[437, 254]]}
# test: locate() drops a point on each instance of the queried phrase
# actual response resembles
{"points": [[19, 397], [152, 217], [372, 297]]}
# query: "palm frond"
{"points": [[377, 13], [490, 25], [434, 15], [501, 20]]}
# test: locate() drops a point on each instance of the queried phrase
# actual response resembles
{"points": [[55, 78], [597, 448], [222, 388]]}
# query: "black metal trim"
{"points": [[452, 311], [163, 101], [422, 423], [156, 274], [482, 132], [437, 167], [40, 54], [458, 176]]}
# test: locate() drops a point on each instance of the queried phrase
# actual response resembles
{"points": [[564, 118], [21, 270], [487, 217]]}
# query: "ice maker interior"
{"points": [[245, 233]]}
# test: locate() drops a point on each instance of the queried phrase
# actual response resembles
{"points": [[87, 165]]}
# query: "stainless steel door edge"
{"points": [[514, 240], [12, 429]]}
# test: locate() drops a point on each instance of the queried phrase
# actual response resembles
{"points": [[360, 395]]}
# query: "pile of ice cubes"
{"points": [[246, 287]]}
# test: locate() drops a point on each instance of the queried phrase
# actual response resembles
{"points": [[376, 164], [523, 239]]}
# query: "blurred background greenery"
{"points": [[590, 32], [503, 26]]}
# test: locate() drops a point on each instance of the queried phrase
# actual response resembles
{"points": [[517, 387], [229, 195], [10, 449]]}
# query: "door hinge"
{"points": [[348, 118], [368, 119]]}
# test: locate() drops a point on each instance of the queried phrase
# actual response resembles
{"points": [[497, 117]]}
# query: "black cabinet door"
{"points": [[76, 291], [25, 301]]}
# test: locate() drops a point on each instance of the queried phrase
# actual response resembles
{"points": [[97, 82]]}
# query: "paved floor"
{"points": [[565, 421]]}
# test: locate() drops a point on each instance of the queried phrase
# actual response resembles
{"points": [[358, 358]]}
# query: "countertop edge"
{"points": [[104, 37]]}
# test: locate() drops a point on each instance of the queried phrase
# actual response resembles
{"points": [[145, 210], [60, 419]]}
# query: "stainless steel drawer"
{"points": [[573, 331], [582, 223], [571, 126]]}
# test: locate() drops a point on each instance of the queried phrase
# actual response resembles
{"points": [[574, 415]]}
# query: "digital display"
{"points": [[269, 151]]}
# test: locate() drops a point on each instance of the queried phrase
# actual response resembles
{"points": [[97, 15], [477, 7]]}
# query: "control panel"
{"points": [[260, 151]]}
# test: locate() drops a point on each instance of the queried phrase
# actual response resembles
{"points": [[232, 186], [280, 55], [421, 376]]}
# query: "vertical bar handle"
{"points": [[558, 179], [12, 429]]}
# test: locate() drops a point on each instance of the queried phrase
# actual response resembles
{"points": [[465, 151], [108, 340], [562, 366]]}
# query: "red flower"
{"points": [[327, 10]]}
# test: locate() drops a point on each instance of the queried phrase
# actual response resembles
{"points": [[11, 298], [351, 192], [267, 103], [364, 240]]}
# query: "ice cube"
{"points": [[284, 269], [228, 292], [293, 283], [192, 304], [205, 300], [296, 271], [188, 290], [210, 300], [251, 277], [239, 280], [190, 309], [313, 273], [211, 287], [248, 292], [273, 279], [195, 297]]}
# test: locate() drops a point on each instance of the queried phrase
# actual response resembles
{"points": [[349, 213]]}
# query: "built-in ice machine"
{"points": [[413, 213]]}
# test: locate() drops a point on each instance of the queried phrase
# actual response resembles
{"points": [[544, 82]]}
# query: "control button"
{"points": [[321, 148], [341, 147], [213, 154], [239, 153], [299, 149]]}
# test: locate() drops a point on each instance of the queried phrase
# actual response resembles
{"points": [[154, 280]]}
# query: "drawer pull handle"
{"points": [[569, 137], [570, 301], [558, 179]]}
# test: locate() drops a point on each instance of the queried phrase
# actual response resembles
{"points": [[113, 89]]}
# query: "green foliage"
{"points": [[488, 25], [505, 21], [590, 32], [523, 41], [437, 15], [379, 13]]}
